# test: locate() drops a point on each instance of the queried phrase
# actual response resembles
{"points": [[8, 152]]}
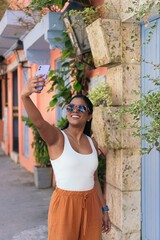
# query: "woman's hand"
{"points": [[31, 85], [106, 223]]}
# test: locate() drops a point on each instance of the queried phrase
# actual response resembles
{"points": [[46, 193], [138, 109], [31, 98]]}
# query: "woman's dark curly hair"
{"points": [[87, 129]]}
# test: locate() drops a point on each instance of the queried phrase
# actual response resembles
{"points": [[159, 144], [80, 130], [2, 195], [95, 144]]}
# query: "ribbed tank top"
{"points": [[75, 171]]}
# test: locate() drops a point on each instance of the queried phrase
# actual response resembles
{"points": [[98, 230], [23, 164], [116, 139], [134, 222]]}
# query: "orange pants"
{"points": [[74, 215]]}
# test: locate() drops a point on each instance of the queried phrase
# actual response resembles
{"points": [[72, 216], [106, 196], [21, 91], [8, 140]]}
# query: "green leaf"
{"points": [[65, 53], [82, 73], [58, 39], [52, 72], [66, 64], [73, 74], [77, 87], [68, 44], [157, 144], [53, 102], [151, 5], [81, 67], [37, 8]]}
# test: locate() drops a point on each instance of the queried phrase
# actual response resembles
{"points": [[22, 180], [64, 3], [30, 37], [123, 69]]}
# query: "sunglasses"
{"points": [[80, 108]]}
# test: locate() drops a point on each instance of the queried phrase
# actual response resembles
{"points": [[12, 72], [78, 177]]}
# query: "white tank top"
{"points": [[74, 171]]}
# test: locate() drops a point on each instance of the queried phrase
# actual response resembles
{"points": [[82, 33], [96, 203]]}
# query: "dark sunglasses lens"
{"points": [[70, 107], [82, 109]]}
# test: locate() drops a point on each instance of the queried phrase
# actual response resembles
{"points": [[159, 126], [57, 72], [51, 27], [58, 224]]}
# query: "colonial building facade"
{"points": [[132, 182]]}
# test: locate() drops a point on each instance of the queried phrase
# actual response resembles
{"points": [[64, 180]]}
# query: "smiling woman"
{"points": [[77, 200], [83, 105]]}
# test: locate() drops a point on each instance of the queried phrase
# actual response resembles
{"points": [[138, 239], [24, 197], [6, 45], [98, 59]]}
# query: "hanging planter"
{"points": [[75, 26]]}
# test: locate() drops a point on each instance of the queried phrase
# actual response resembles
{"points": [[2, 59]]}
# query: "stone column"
{"points": [[123, 173]]}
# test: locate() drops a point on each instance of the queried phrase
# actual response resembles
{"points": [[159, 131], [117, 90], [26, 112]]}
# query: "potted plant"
{"points": [[43, 170]]}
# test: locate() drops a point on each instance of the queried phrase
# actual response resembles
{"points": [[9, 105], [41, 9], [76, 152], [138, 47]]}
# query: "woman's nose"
{"points": [[75, 108]]}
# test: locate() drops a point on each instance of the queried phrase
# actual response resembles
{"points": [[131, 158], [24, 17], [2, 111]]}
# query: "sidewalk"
{"points": [[23, 207]]}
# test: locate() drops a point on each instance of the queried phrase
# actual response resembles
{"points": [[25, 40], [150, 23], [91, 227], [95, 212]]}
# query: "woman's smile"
{"points": [[75, 116]]}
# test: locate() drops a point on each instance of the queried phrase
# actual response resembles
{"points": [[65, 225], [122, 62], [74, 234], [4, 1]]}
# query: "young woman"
{"points": [[77, 209]]}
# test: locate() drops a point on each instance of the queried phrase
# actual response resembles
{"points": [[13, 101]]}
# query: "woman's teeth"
{"points": [[75, 116]]}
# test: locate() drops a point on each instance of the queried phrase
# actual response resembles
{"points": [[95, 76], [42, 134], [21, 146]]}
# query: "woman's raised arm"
{"points": [[49, 133]]}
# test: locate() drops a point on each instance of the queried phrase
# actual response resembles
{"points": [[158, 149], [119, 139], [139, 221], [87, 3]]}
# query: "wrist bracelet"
{"points": [[106, 208]]}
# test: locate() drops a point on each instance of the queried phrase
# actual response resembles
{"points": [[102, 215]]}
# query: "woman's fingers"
{"points": [[106, 226], [35, 82], [106, 229], [37, 91], [31, 85], [40, 83], [39, 76]]}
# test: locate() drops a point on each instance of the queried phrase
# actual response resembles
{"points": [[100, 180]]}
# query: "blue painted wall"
{"points": [[150, 163]]}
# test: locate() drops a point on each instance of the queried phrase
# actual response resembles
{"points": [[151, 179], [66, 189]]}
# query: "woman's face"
{"points": [[77, 118]]}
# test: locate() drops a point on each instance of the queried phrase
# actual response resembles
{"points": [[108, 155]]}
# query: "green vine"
{"points": [[101, 168], [71, 78], [143, 11], [43, 6], [148, 106], [100, 95], [39, 145], [62, 122], [89, 14], [4, 6]]}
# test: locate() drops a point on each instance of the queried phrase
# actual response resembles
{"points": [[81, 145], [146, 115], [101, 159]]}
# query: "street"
{"points": [[23, 207]]}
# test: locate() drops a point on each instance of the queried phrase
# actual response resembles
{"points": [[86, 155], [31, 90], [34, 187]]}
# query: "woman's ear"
{"points": [[89, 117]]}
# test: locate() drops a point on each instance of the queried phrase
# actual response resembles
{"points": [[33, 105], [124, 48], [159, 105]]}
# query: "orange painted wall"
{"points": [[3, 104], [18, 4], [1, 130]]}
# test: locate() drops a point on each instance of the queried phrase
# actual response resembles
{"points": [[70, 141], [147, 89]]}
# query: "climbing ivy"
{"points": [[4, 6], [39, 145], [143, 13], [71, 78], [90, 14], [100, 95], [147, 106], [43, 6]]}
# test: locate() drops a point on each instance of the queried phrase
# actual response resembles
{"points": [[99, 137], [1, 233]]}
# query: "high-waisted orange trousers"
{"points": [[74, 215]]}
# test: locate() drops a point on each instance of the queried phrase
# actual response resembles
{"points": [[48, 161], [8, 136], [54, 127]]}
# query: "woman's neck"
{"points": [[75, 133]]}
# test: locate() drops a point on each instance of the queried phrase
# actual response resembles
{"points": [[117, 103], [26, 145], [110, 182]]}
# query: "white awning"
{"points": [[40, 40], [11, 29]]}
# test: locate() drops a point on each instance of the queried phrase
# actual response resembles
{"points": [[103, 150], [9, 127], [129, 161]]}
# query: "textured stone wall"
{"points": [[123, 172]]}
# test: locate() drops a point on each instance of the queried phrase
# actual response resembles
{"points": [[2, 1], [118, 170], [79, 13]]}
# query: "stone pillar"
{"points": [[123, 173]]}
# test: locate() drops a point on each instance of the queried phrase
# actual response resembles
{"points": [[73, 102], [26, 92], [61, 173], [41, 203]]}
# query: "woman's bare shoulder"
{"points": [[56, 149], [95, 143]]}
